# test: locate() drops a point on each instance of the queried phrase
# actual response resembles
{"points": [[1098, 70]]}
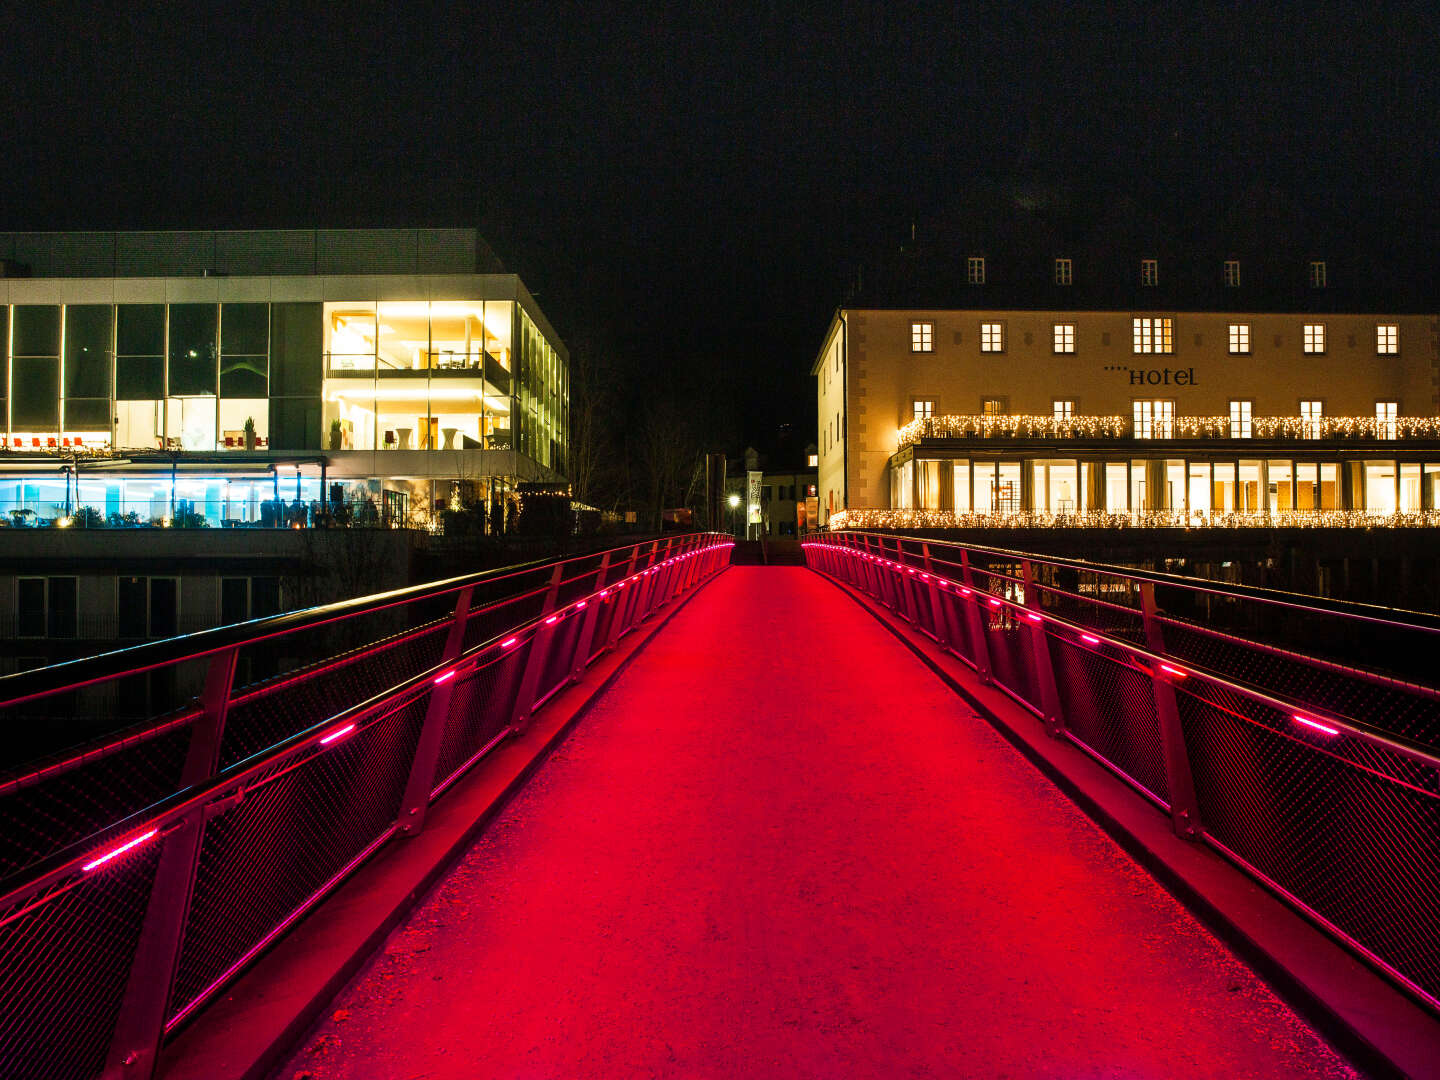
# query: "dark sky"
{"points": [[691, 190]]}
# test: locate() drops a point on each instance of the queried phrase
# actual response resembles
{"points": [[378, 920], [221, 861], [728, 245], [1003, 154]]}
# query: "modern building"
{"points": [[261, 377], [1031, 400]]}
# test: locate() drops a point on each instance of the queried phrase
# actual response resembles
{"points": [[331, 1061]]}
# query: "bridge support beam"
{"points": [[1184, 807], [1044, 663], [432, 732], [140, 1025]]}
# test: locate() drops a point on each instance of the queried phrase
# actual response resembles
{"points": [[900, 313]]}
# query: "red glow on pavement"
{"points": [[103, 859], [1326, 728], [346, 730]]}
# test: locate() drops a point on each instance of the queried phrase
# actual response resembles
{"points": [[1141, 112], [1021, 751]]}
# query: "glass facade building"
{"points": [[368, 359]]}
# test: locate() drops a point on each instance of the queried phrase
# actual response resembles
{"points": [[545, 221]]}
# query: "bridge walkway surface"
{"points": [[779, 845]]}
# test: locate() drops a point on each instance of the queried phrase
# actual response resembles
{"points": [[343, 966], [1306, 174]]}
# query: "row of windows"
{"points": [[1316, 273], [145, 607], [1152, 335], [1155, 418]]}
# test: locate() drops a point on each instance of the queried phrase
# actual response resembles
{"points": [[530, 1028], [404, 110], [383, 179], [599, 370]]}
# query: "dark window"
{"points": [[4, 367], [35, 394], [87, 351], [264, 597], [194, 329], [296, 338], [61, 607], [140, 352], [295, 423], [37, 331], [164, 607], [30, 607], [132, 601], [234, 600], [244, 341]]}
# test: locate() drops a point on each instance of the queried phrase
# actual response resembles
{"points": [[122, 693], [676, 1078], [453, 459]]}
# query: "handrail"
{"points": [[1419, 620], [20, 687]]}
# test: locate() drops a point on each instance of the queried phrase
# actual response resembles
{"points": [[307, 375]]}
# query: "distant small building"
{"points": [[788, 499]]}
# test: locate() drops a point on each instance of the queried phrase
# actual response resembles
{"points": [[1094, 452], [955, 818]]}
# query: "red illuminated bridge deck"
{"points": [[780, 846]]}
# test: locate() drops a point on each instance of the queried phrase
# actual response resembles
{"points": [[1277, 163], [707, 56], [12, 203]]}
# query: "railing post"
{"points": [[939, 617], [592, 617], [1040, 651], [1184, 807], [539, 653], [906, 591], [623, 600], [979, 639], [432, 732], [140, 1024]]}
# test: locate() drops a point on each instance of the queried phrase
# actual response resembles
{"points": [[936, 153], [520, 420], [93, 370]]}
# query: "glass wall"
{"points": [[419, 375]]}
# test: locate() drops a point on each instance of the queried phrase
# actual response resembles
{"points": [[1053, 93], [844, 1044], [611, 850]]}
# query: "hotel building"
{"points": [[218, 375], [1041, 403]]}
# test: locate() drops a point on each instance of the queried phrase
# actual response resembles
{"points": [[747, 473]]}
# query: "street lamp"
{"points": [[734, 501]]}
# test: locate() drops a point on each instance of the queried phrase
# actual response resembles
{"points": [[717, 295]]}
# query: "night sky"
{"points": [[689, 194]]}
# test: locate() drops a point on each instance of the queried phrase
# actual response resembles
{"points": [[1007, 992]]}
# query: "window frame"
{"points": [[1387, 427], [1239, 339], [1307, 431], [915, 405], [975, 270], [1387, 344], [1064, 271], [1246, 420], [1318, 274], [1160, 424], [1312, 338], [992, 337], [1062, 408], [1002, 403], [1062, 340], [1144, 331], [1149, 273], [922, 335], [1232, 273]]}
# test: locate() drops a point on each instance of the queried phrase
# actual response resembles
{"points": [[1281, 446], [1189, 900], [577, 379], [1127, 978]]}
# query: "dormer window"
{"points": [[1317, 274], [1232, 273], [975, 270], [1064, 272], [1149, 272]]}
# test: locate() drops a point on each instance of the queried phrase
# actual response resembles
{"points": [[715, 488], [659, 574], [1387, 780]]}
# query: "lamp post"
{"points": [[734, 502]]}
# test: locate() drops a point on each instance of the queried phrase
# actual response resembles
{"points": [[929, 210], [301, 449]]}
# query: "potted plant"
{"points": [[337, 435], [249, 433]]}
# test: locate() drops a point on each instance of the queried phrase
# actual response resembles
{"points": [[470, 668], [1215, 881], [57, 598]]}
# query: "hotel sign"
{"points": [[1184, 376]]}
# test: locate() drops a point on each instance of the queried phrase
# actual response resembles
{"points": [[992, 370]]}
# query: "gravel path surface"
{"points": [[778, 846]]}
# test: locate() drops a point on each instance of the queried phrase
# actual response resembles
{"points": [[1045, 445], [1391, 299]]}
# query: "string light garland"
{"points": [[1144, 519], [1188, 427]]}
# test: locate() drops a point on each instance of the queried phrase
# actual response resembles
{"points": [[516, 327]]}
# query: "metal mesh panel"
{"points": [[560, 663], [286, 838], [63, 968], [480, 708], [1110, 706], [47, 817], [1358, 844]]}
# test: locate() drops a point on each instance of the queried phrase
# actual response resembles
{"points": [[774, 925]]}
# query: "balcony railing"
{"points": [[1181, 427]]}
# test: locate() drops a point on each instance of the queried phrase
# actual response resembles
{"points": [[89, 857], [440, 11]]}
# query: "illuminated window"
{"points": [[975, 270], [1064, 272], [993, 406], [923, 409], [1311, 418], [1239, 337], [992, 337], [1064, 337], [1149, 272], [1154, 419], [1317, 274], [1232, 273], [922, 337], [814, 463], [1154, 335], [1314, 337], [1386, 425], [1063, 410], [1240, 420], [1387, 339]]}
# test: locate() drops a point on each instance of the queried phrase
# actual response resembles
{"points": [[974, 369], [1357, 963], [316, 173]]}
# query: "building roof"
{"points": [[245, 252]]}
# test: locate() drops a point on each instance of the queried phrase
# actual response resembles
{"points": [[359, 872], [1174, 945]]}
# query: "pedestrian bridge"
{"points": [[798, 829]]}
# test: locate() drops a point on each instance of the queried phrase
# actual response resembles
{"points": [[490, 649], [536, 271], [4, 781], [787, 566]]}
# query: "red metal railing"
{"points": [[145, 870], [1298, 738]]}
